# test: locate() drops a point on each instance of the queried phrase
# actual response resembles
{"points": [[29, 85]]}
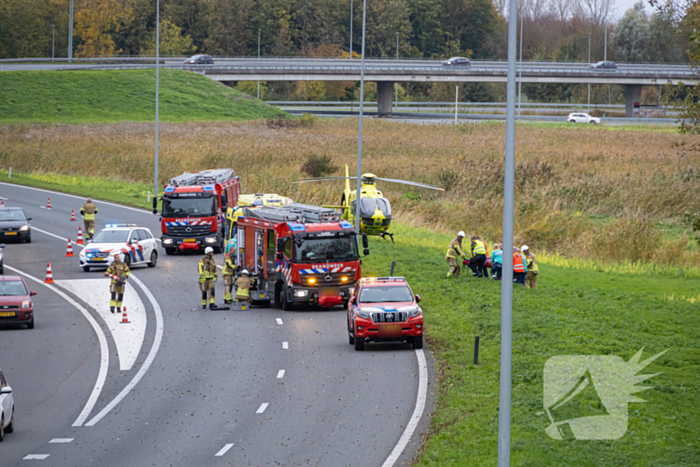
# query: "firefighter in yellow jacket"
{"points": [[119, 272], [88, 212], [229, 270], [243, 287], [454, 251], [207, 277]]}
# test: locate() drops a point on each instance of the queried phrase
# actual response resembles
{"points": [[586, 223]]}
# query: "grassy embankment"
{"points": [[117, 96]]}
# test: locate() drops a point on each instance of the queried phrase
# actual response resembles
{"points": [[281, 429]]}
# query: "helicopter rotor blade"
{"points": [[322, 179], [405, 182]]}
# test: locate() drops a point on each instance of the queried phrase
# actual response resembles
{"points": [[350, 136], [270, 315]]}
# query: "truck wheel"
{"points": [[359, 344], [286, 304], [345, 303], [418, 342], [169, 251]]}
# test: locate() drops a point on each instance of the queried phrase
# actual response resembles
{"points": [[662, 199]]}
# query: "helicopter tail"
{"points": [[347, 180]]}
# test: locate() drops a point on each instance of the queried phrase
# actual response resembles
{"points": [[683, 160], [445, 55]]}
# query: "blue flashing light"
{"points": [[345, 225], [296, 227], [209, 188], [169, 189]]}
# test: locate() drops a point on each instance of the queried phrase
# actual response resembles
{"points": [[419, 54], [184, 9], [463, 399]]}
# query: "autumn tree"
{"points": [[95, 22], [172, 42]]}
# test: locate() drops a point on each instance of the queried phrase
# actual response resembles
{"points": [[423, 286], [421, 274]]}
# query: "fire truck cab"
{"points": [[193, 207], [298, 254]]}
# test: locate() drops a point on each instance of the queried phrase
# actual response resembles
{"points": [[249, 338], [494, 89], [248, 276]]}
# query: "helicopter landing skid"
{"points": [[387, 234]]}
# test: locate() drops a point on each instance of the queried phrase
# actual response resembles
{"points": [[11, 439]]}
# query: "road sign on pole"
{"points": [[507, 279]]}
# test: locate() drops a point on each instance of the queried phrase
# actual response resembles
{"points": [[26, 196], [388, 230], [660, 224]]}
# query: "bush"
{"points": [[318, 166], [306, 121]]}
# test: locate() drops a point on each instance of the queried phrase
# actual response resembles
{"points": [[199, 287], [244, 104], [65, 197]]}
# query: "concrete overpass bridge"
{"points": [[387, 72]]}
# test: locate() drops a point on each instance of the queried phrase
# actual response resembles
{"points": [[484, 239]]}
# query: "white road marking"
{"points": [[61, 440], [417, 412], [149, 359], [104, 348], [262, 407], [280, 374], [82, 198], [224, 450], [128, 338], [285, 345], [279, 321], [56, 236], [33, 457]]}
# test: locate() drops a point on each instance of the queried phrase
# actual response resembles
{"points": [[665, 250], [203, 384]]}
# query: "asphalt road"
{"points": [[213, 385]]}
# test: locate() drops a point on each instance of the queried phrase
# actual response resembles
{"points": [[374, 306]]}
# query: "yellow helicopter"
{"points": [[375, 209]]}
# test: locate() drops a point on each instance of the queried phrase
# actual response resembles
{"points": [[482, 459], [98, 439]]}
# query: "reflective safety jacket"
{"points": [[207, 268], [243, 286], [454, 251], [229, 266], [478, 248], [88, 211], [532, 263], [519, 263], [118, 269]]}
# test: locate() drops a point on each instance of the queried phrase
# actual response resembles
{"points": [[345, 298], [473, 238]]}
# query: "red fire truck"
{"points": [[298, 254], [194, 204]]}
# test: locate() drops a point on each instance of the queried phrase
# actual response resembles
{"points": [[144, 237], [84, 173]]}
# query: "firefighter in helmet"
{"points": [[229, 270], [243, 287], [454, 251], [119, 272], [208, 277], [88, 212]]}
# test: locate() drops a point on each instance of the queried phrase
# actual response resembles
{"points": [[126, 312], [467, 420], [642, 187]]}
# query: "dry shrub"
{"points": [[627, 239]]}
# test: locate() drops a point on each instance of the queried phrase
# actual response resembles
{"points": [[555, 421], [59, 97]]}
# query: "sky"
{"points": [[623, 5]]}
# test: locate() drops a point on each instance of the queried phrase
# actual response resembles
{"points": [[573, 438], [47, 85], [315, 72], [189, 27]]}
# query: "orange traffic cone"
{"points": [[49, 275], [72, 214], [80, 241], [124, 320], [3, 204], [69, 250], [48, 204]]}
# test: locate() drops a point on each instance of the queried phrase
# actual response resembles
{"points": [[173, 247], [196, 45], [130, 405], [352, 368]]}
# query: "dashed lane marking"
{"points": [[262, 407], [224, 450], [280, 374], [285, 345], [279, 321], [61, 440], [35, 457]]}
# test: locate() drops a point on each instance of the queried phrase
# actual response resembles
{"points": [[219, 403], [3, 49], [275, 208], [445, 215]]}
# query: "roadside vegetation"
{"points": [[126, 95]]}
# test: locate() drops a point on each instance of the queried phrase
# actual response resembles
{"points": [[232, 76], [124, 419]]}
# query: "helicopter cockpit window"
{"points": [[385, 207], [368, 207]]}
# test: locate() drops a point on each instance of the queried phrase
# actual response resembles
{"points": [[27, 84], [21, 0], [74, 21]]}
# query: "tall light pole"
{"points": [[507, 280], [258, 59], [605, 47], [520, 80], [589, 62], [358, 202], [396, 85], [70, 32], [155, 195], [350, 29], [53, 42]]}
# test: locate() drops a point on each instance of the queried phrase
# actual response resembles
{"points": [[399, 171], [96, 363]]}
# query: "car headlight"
{"points": [[301, 293], [167, 241], [26, 304], [210, 240], [363, 314], [414, 313], [24, 228]]}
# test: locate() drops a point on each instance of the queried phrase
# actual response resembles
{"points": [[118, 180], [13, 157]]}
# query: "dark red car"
{"points": [[384, 309], [16, 304]]}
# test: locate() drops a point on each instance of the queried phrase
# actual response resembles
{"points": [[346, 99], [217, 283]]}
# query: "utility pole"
{"points": [[589, 62], [507, 280], [520, 80], [396, 85], [70, 32], [155, 196], [358, 202], [350, 29], [258, 59], [53, 42]]}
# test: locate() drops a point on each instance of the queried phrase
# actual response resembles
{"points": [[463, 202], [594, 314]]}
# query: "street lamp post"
{"points": [[507, 282], [589, 62], [358, 202], [520, 80], [70, 32], [350, 29], [155, 175], [396, 85], [258, 59], [53, 42], [605, 46]]}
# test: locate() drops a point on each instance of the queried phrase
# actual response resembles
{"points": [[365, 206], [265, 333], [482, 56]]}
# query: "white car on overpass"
{"points": [[136, 243], [579, 117], [7, 408]]}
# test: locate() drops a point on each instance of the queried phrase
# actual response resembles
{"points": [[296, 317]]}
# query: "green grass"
{"points": [[121, 95], [581, 308]]}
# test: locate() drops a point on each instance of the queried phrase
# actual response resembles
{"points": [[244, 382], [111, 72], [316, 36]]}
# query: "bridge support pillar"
{"points": [[385, 95], [633, 93]]}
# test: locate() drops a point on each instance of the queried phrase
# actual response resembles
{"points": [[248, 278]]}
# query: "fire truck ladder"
{"points": [[295, 212], [205, 177]]}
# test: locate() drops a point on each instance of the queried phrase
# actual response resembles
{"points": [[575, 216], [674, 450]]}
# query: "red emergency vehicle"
{"points": [[193, 208], [298, 254]]}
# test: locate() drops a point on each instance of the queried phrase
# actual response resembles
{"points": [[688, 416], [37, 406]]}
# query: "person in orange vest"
{"points": [[519, 267], [477, 262]]}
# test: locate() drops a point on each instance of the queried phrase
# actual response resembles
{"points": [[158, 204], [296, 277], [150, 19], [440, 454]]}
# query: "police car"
{"points": [[137, 244]]}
